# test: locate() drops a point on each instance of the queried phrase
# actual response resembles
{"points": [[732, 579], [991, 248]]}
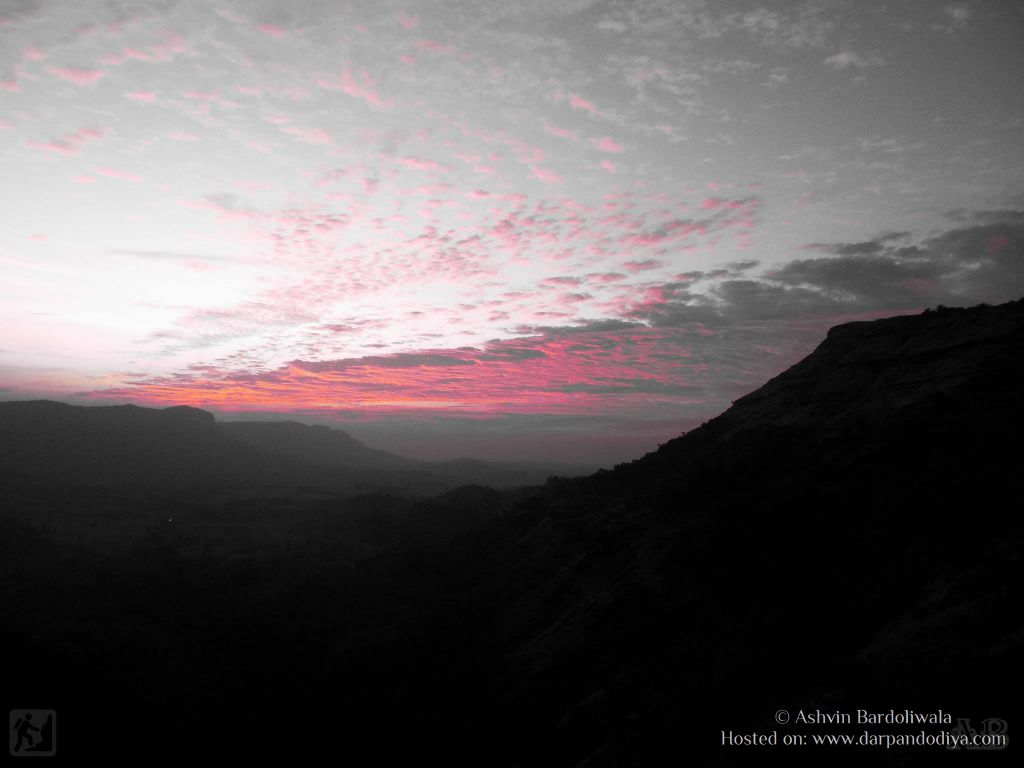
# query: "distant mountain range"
{"points": [[846, 537], [184, 448]]}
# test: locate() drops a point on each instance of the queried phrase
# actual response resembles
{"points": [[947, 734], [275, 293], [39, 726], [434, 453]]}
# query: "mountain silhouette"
{"points": [[845, 537], [315, 444], [184, 449], [178, 448], [331, 447]]}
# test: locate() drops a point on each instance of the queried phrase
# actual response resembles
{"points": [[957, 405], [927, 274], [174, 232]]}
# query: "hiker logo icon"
{"points": [[33, 732]]}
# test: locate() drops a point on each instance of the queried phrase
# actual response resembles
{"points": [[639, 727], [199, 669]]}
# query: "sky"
{"points": [[549, 229]]}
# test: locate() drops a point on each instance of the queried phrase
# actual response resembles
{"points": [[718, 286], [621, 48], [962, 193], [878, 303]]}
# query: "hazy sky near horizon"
{"points": [[554, 228]]}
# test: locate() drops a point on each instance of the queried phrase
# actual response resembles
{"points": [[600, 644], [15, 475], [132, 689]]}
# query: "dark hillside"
{"points": [[315, 444], [846, 536]]}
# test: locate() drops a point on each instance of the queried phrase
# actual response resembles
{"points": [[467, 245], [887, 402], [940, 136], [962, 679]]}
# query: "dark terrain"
{"points": [[848, 536]]}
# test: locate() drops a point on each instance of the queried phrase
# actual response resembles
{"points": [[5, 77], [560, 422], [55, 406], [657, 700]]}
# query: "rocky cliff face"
{"points": [[880, 367]]}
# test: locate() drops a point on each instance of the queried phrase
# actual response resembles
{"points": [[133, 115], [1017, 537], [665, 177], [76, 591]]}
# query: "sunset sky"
{"points": [[547, 228]]}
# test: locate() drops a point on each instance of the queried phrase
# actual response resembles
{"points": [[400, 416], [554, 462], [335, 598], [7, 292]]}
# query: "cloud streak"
{"points": [[679, 345], [70, 144], [77, 75]]}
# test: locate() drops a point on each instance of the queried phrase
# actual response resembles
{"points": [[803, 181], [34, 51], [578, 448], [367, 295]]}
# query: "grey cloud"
{"points": [[742, 266], [759, 300], [694, 309], [965, 265], [692, 275], [504, 352], [13, 9], [997, 216], [400, 360], [874, 245], [807, 27], [867, 281], [846, 59], [984, 262], [857, 249], [587, 326], [980, 263], [226, 200], [955, 17], [503, 10]]}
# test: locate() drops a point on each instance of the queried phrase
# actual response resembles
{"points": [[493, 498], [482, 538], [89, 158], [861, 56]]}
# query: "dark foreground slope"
{"points": [[847, 537]]}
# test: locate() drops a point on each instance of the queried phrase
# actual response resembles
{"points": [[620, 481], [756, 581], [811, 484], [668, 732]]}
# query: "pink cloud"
{"points": [[609, 166], [565, 133], [615, 242], [545, 175], [59, 146], [171, 46], [147, 96], [71, 144], [116, 59], [34, 54], [408, 21], [608, 144], [310, 135], [582, 372], [606, 277], [114, 173], [359, 84], [84, 179], [572, 299], [9, 85], [419, 164], [272, 30], [434, 47], [578, 102], [642, 266], [714, 203], [562, 281], [77, 76]]}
